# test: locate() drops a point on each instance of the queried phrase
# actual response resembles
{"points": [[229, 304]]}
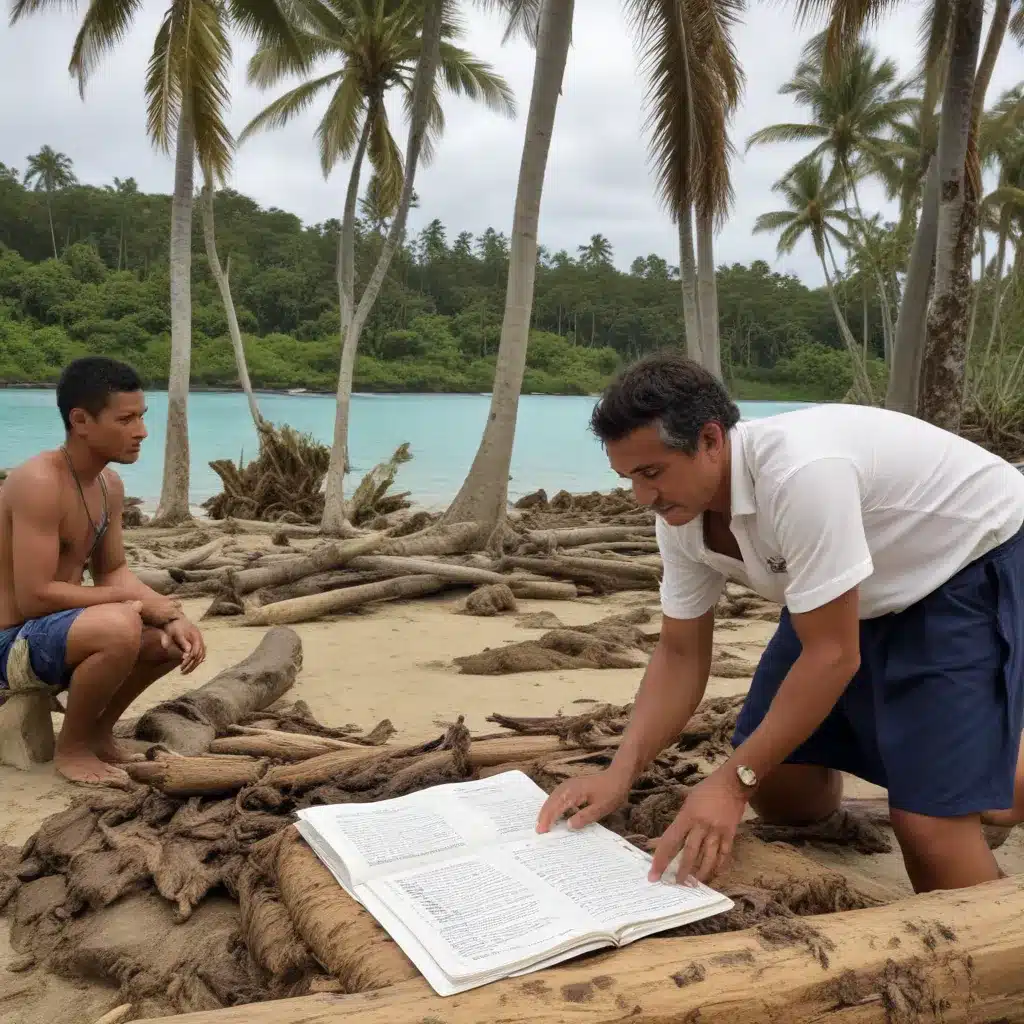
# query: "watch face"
{"points": [[747, 776]]}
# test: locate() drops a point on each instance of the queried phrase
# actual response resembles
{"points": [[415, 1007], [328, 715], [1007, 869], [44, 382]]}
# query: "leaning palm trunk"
{"points": [[942, 372], [909, 339], [862, 391], [334, 519], [174, 490], [222, 275], [49, 213], [707, 295], [688, 277], [347, 237], [483, 496]]}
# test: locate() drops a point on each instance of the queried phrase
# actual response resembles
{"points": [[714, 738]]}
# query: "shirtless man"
{"points": [[60, 514]]}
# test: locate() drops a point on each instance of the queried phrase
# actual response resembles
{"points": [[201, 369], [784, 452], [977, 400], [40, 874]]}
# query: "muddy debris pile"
{"points": [[573, 546], [190, 890]]}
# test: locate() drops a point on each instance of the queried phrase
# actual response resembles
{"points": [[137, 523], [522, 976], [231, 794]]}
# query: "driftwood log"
{"points": [[26, 728], [949, 956], [189, 724]]}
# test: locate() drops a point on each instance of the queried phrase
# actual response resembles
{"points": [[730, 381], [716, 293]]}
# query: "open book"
{"points": [[460, 879]]}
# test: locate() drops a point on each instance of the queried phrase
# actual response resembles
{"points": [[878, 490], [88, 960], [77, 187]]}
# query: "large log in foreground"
{"points": [[190, 723], [948, 956]]}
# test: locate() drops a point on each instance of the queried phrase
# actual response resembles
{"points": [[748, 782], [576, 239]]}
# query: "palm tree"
{"points": [[50, 172], [483, 497], [187, 94], [853, 113], [694, 85], [815, 207], [374, 46], [222, 278], [596, 253]]}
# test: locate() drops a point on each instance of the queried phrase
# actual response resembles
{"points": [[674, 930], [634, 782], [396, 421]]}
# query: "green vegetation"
{"points": [[435, 328]]}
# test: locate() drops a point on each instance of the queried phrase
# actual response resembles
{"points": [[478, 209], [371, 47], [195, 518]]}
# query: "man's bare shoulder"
{"points": [[114, 483], [26, 480]]}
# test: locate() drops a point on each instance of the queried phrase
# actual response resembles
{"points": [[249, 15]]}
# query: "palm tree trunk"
{"points": [[942, 371], [997, 295], [222, 277], [174, 491], [707, 295], [334, 519], [49, 213], [346, 274], [861, 384], [883, 297], [484, 493], [688, 279], [908, 345]]}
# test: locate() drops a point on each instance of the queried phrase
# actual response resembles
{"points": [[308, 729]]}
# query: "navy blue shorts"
{"points": [[934, 713], [47, 639]]}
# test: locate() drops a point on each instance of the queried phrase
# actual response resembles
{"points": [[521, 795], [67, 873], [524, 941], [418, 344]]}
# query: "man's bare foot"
{"points": [[85, 766], [112, 752]]}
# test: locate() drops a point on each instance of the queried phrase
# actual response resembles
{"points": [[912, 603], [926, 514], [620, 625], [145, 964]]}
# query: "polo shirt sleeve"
{"points": [[688, 587], [817, 519]]}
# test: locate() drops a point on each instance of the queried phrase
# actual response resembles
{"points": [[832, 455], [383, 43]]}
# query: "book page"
{"points": [[376, 839], [606, 877], [476, 916]]}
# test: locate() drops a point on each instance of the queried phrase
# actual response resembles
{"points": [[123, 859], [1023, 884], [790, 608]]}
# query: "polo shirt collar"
{"points": [[741, 497]]}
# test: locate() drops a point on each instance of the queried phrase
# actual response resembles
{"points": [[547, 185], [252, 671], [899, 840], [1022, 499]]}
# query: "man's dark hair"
{"points": [[669, 390], [89, 382]]}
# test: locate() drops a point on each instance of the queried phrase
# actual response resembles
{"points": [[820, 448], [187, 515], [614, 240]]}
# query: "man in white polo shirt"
{"points": [[898, 552]]}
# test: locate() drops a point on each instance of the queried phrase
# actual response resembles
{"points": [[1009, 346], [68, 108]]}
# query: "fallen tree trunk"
{"points": [[302, 609], [231, 525], [441, 540], [190, 723], [550, 539], [195, 556], [284, 746], [322, 559], [197, 776], [952, 956], [600, 573]]}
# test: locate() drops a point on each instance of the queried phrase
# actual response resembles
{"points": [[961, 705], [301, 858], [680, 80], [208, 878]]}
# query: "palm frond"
{"points": [[22, 7], [106, 23], [1005, 195], [774, 220], [791, 235], [338, 131], [275, 60], [165, 75], [209, 88], [1016, 26], [284, 108], [267, 22], [521, 17], [847, 21], [465, 75], [386, 160], [776, 133]]}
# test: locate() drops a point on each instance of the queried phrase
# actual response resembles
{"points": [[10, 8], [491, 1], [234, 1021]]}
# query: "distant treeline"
{"points": [[436, 326]]}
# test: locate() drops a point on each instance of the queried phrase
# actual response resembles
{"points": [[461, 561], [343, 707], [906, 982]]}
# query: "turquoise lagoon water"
{"points": [[553, 447]]}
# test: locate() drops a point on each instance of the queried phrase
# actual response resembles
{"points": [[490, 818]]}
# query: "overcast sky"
{"points": [[597, 179]]}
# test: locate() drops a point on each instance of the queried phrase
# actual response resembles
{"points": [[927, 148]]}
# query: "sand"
{"points": [[392, 661]]}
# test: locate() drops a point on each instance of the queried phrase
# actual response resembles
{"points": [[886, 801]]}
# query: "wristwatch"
{"points": [[747, 776]]}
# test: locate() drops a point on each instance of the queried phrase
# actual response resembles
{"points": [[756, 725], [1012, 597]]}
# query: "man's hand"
{"points": [[158, 610], [591, 798], [703, 829], [186, 637]]}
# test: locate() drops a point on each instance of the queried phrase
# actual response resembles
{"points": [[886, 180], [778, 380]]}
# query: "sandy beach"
{"points": [[389, 661]]}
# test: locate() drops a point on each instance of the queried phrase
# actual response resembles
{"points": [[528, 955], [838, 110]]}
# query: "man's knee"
{"points": [[798, 794], [107, 628]]}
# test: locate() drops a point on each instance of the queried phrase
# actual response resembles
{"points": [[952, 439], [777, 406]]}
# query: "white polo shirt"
{"points": [[839, 496]]}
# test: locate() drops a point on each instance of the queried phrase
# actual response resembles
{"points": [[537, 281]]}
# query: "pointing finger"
{"points": [[667, 847]]}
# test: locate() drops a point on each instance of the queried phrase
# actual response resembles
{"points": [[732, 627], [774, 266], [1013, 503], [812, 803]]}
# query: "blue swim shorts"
{"points": [[47, 645], [934, 713]]}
